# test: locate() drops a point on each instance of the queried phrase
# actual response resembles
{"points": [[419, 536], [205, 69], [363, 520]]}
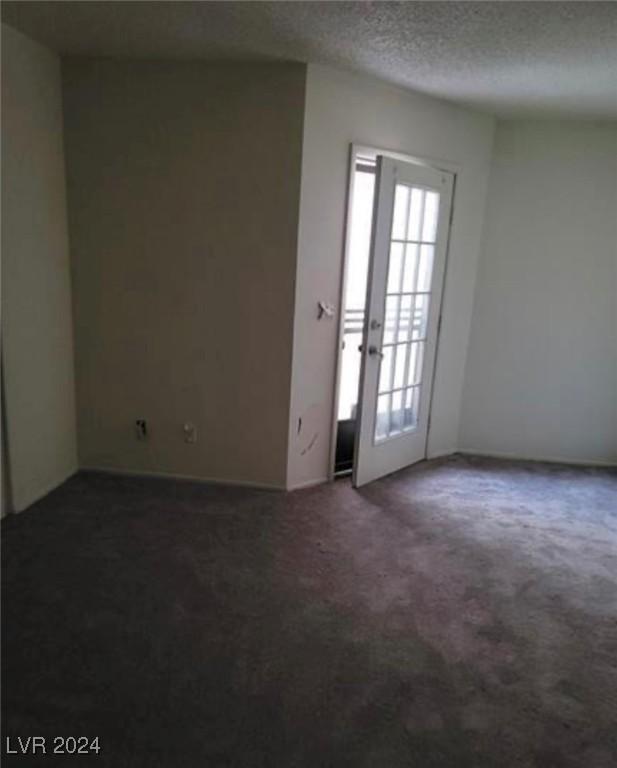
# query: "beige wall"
{"points": [[541, 377], [36, 303], [342, 108], [183, 186]]}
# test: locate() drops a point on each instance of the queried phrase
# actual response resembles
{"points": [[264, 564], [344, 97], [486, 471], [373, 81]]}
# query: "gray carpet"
{"points": [[460, 614]]}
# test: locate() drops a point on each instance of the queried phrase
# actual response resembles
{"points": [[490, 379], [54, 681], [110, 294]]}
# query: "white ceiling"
{"points": [[555, 59]]}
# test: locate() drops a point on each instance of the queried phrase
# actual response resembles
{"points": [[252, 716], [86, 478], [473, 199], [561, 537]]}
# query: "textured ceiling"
{"points": [[511, 58]]}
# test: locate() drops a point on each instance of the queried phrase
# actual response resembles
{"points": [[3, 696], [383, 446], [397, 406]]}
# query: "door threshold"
{"points": [[343, 473]]}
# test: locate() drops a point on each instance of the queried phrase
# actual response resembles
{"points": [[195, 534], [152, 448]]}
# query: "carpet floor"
{"points": [[459, 614]]}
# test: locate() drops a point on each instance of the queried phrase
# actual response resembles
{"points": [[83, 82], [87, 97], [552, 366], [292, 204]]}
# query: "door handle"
{"points": [[372, 350]]}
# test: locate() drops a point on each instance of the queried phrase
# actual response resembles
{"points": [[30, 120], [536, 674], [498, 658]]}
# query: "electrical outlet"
{"points": [[190, 432], [141, 429]]}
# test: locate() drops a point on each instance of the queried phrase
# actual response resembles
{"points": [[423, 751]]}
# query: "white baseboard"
{"points": [[308, 483], [441, 454], [530, 457], [184, 478]]}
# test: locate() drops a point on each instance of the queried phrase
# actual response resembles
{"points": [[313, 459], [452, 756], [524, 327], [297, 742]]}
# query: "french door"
{"points": [[411, 216]]}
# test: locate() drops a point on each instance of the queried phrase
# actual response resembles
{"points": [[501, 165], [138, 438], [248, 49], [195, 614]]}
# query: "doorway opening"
{"points": [[362, 192]]}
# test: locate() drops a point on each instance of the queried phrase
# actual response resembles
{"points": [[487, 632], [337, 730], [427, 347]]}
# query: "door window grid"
{"points": [[410, 267]]}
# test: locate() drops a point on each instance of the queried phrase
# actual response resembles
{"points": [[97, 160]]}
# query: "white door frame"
{"points": [[359, 149]]}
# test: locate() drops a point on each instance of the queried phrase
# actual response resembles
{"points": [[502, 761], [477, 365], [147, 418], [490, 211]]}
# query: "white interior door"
{"points": [[411, 218]]}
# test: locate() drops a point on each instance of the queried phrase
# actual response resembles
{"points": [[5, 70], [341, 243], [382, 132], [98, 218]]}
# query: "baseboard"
{"points": [[308, 484], [441, 454], [529, 457], [183, 478], [42, 492]]}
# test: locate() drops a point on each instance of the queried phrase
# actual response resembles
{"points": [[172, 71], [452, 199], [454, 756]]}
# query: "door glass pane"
{"points": [[420, 317], [431, 210], [391, 319], [416, 358], [396, 414], [385, 370], [412, 401], [401, 212], [404, 323], [411, 267], [399, 367], [425, 267], [395, 266], [416, 214], [382, 419]]}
